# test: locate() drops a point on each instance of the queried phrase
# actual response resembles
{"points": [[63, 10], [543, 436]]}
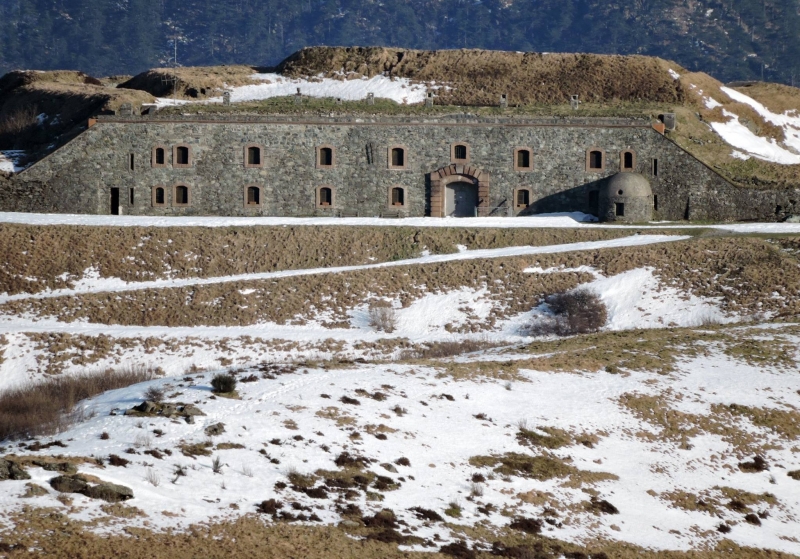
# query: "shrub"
{"points": [[44, 408], [382, 316], [575, 312], [223, 384], [154, 394]]}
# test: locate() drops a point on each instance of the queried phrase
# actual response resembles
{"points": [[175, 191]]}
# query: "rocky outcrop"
{"points": [[109, 492], [165, 409], [10, 470]]}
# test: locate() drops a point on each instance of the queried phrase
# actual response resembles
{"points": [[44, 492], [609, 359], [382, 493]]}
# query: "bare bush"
{"points": [[45, 408], [382, 316], [152, 477], [154, 394], [19, 121], [575, 312], [143, 441], [216, 465]]}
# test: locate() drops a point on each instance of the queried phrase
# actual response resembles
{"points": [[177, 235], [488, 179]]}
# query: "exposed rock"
{"points": [[110, 492], [63, 467], [215, 429], [68, 484], [10, 470], [389, 468], [164, 409]]}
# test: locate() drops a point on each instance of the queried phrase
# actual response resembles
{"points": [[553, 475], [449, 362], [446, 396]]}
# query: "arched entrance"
{"points": [[459, 191], [461, 199]]}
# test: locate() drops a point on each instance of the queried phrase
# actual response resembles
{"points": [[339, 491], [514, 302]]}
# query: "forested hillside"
{"points": [[730, 39]]}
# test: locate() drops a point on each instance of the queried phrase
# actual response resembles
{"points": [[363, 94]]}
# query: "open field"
{"points": [[398, 391]]}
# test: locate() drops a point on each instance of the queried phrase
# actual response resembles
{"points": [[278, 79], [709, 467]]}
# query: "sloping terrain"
{"points": [[42, 108], [454, 420]]}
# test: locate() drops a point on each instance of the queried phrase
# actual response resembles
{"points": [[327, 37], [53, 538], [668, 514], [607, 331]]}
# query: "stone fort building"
{"points": [[617, 169]]}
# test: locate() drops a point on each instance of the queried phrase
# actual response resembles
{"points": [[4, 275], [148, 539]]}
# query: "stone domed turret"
{"points": [[626, 197]]}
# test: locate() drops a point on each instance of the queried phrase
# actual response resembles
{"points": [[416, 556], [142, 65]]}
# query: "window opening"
{"points": [[325, 196], [159, 195], [130, 193], [398, 157], [131, 162], [655, 202], [595, 159], [253, 195], [160, 156], [460, 152], [524, 159], [627, 160], [182, 155], [655, 167], [619, 208], [326, 157], [398, 196], [115, 201], [182, 195], [254, 156], [523, 198]]}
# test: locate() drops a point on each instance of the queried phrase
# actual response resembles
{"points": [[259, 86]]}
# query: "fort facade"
{"points": [[378, 166]]}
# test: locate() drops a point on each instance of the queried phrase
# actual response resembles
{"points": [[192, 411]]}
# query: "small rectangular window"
{"points": [[620, 209], [655, 202], [131, 162], [655, 167], [131, 196]]}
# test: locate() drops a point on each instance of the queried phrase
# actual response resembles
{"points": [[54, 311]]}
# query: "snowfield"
{"points": [[561, 220], [656, 448], [296, 422]]}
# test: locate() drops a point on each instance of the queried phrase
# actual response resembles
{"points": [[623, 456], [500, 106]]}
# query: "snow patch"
{"points": [[399, 90], [739, 136]]}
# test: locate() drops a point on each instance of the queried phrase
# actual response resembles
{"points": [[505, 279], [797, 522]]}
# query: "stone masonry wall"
{"points": [[78, 177]]}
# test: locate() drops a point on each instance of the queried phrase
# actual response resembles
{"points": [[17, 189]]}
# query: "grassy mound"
{"points": [[478, 77]]}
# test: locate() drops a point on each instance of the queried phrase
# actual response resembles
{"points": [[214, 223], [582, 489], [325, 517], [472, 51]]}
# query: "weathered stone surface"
{"points": [[68, 484], [110, 492], [215, 429], [63, 467], [164, 409], [10, 470], [78, 178]]}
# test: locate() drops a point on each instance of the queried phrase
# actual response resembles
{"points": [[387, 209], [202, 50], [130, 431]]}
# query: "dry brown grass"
{"points": [[45, 407], [35, 257], [742, 272], [73, 96], [479, 76], [53, 534], [193, 81]]}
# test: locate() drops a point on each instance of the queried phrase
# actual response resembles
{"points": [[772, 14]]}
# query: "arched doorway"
{"points": [[459, 191], [461, 199]]}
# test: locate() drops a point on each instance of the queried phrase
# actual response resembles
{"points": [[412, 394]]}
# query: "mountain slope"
{"points": [[730, 39]]}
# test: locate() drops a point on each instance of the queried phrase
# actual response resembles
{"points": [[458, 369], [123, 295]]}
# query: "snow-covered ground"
{"points": [[400, 90], [569, 220], [9, 161], [296, 422]]}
